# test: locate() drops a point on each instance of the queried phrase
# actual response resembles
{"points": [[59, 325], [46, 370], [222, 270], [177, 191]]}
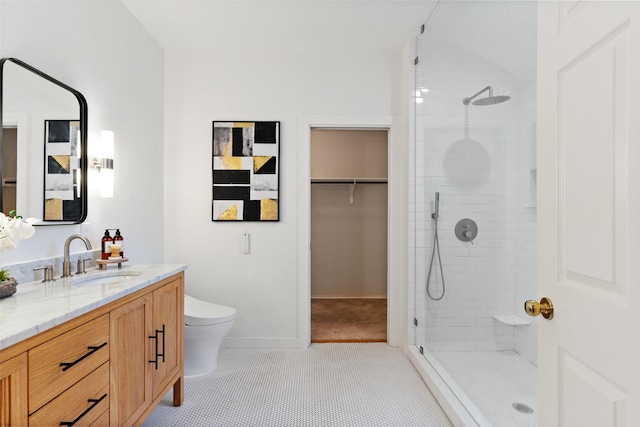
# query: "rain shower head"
{"points": [[490, 100]]}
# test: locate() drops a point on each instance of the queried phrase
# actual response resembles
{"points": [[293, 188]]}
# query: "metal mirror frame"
{"points": [[82, 102]]}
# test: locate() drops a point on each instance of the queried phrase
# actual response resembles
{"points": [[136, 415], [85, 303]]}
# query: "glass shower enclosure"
{"points": [[474, 205]]}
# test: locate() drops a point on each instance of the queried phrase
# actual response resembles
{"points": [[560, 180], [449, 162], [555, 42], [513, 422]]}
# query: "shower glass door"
{"points": [[475, 120]]}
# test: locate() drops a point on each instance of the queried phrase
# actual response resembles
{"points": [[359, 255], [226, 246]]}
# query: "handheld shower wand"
{"points": [[436, 248], [436, 212]]}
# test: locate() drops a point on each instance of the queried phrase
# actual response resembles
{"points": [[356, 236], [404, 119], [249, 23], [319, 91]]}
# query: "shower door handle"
{"points": [[535, 308]]}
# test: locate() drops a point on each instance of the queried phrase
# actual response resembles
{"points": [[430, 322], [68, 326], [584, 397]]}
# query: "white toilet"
{"points": [[205, 325]]}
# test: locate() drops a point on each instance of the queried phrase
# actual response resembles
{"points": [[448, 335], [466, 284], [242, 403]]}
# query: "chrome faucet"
{"points": [[66, 265]]}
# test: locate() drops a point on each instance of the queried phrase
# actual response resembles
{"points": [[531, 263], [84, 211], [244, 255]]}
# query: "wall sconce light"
{"points": [[104, 163]]}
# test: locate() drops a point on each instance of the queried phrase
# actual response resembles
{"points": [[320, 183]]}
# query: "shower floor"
{"points": [[494, 381]]}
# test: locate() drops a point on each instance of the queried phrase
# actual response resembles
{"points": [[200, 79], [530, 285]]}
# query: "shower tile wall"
{"points": [[478, 171]]}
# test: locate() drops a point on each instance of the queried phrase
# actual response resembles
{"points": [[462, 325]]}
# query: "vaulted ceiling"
{"points": [[216, 25]]}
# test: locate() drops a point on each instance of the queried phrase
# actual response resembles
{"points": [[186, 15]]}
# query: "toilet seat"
{"points": [[198, 312]]}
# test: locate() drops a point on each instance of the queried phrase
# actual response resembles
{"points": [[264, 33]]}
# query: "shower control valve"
{"points": [[469, 235], [466, 230]]}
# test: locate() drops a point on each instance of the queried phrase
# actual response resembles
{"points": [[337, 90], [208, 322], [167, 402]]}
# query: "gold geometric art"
{"points": [[245, 170], [259, 161], [230, 213], [268, 209], [232, 163], [53, 209], [63, 197], [63, 161], [244, 124]]}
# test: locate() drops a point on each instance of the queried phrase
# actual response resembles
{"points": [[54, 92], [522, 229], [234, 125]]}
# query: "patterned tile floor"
{"points": [[494, 381], [324, 385]]}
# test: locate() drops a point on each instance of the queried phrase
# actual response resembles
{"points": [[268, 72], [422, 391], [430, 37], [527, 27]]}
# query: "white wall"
{"points": [[98, 48], [255, 85]]}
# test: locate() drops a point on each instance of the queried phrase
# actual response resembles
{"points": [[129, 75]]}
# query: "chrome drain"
{"points": [[522, 408]]}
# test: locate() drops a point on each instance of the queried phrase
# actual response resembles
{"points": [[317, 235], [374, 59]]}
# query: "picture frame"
{"points": [[246, 171], [62, 161]]}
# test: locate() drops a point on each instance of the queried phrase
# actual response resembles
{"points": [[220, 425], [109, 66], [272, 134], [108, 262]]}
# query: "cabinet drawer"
{"points": [[58, 364], [102, 421], [81, 405]]}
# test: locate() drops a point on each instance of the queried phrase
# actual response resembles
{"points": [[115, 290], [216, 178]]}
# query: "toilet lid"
{"points": [[198, 312]]}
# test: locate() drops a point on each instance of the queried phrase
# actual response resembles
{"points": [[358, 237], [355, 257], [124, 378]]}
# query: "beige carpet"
{"points": [[348, 320]]}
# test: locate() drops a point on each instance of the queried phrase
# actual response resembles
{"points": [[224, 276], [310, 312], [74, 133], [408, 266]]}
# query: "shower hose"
{"points": [[436, 248]]}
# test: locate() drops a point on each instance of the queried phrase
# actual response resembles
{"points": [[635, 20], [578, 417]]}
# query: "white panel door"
{"points": [[589, 212]]}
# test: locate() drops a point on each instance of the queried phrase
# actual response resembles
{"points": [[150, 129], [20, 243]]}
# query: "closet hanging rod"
{"points": [[352, 181]]}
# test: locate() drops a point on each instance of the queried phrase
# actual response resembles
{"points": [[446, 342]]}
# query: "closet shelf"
{"points": [[349, 180]]}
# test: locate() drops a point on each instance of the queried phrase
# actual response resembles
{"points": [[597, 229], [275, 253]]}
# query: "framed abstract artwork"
{"points": [[246, 163], [62, 195]]}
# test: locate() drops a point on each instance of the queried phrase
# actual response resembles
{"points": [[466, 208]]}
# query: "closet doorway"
{"points": [[349, 235], [9, 155]]}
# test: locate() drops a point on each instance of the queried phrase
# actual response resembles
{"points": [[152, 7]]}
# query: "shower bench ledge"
{"points": [[511, 319]]}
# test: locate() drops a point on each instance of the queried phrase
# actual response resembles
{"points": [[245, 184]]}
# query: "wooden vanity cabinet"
{"points": [[14, 391], [59, 363], [111, 366], [168, 324], [147, 349], [79, 405], [69, 376], [130, 331]]}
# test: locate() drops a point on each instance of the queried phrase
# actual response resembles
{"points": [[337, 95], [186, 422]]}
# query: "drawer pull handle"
{"points": [[92, 349], [94, 403], [158, 354], [163, 344], [155, 337]]}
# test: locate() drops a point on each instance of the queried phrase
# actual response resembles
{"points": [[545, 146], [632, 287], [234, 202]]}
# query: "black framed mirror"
{"points": [[43, 156]]}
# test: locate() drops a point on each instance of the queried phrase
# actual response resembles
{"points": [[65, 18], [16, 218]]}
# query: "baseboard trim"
{"points": [[350, 297], [344, 341]]}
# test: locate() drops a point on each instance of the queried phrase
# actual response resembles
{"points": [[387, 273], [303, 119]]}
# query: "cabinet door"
{"points": [[131, 327], [168, 325], [13, 391]]}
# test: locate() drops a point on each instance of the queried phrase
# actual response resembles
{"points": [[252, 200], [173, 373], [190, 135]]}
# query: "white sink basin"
{"points": [[105, 278]]}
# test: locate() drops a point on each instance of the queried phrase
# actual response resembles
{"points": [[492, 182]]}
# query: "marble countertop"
{"points": [[37, 306]]}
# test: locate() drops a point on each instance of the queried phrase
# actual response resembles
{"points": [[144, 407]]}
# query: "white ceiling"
{"points": [[287, 24]]}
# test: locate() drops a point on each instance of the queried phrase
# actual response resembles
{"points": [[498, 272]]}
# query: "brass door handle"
{"points": [[535, 308]]}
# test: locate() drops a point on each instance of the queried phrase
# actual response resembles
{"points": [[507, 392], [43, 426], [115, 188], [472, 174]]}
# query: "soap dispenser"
{"points": [[107, 240], [119, 240]]}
